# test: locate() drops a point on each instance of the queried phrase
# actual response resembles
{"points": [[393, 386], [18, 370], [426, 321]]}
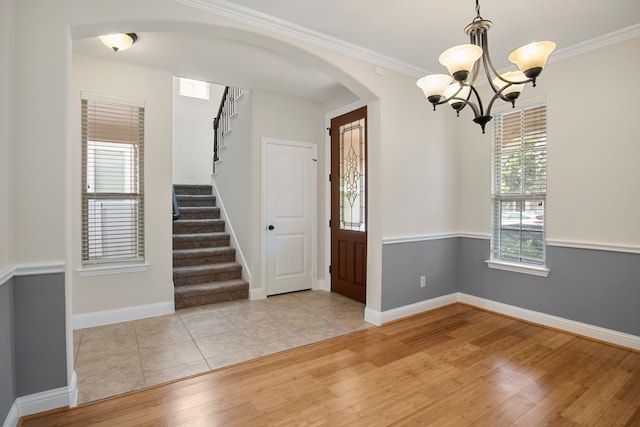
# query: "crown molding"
{"points": [[604, 40], [297, 32]]}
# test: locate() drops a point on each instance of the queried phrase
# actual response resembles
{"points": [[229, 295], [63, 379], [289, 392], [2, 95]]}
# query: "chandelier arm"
{"points": [[489, 69], [496, 96], [477, 111]]}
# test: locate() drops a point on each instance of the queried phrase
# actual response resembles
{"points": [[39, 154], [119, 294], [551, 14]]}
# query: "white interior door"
{"points": [[290, 175]]}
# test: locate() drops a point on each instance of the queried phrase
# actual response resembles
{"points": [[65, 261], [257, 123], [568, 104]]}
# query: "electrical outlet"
{"points": [[423, 281]]}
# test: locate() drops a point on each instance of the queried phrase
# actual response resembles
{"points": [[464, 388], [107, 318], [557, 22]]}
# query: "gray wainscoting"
{"points": [[600, 288], [39, 333], [404, 263], [596, 287], [7, 366]]}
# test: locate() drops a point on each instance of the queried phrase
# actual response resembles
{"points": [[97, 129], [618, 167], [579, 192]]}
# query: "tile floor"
{"points": [[114, 359]]}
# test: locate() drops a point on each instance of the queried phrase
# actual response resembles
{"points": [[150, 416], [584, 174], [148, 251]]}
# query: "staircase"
{"points": [[204, 267]]}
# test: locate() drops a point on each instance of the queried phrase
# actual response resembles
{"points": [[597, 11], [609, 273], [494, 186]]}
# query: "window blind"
{"points": [[112, 180], [519, 185]]}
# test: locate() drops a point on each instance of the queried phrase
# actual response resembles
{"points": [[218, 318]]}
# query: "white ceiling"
{"points": [[417, 31], [409, 32]]}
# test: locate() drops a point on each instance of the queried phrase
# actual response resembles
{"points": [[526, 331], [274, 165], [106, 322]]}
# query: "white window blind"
{"points": [[519, 185], [112, 180]]}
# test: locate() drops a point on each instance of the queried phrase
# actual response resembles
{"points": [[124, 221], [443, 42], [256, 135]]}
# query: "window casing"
{"points": [[519, 186], [112, 180]]}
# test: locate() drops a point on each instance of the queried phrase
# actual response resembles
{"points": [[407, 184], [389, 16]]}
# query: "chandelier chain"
{"points": [[478, 17]]}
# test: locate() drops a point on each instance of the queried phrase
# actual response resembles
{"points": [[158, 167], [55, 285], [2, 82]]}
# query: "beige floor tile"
{"points": [[170, 354], [228, 342], [191, 315], [154, 377], [164, 330], [204, 327], [242, 355], [249, 318], [114, 359], [108, 386], [94, 367], [109, 342]]}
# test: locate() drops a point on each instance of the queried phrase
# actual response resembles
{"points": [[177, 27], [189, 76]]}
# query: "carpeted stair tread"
{"points": [[192, 189], [210, 293], [208, 255], [200, 240], [186, 200], [203, 288], [195, 270], [191, 275], [181, 226], [199, 212], [185, 253]]}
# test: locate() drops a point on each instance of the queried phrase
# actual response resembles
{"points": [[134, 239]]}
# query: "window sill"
{"points": [[518, 268], [112, 269]]}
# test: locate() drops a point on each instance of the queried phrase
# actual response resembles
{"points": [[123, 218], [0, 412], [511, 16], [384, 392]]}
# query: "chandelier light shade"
{"points": [[460, 60], [463, 63], [118, 42], [532, 58], [433, 86]]}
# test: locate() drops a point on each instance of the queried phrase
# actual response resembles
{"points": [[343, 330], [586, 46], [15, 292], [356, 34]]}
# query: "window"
{"points": [[193, 88], [112, 179], [519, 186]]}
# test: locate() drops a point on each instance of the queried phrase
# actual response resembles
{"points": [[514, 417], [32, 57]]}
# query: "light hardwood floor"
{"points": [[455, 366]]}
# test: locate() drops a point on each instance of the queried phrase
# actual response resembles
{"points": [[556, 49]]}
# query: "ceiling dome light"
{"points": [[118, 42]]}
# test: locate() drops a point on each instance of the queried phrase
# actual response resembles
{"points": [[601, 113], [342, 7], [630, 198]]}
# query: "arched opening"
{"points": [[178, 49]]}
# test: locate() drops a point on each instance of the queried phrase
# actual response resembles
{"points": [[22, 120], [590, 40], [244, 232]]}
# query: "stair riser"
{"points": [[212, 298], [193, 189], [210, 259], [207, 278], [200, 243], [211, 213], [188, 228], [186, 201]]}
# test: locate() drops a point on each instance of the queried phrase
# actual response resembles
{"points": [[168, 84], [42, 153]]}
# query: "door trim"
{"points": [[263, 203]]}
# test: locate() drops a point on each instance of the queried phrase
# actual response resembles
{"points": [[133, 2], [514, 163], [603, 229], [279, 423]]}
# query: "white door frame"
{"points": [[314, 208]]}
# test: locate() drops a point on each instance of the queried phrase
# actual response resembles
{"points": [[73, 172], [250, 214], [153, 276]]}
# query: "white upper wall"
{"points": [[6, 31], [593, 152], [193, 135], [283, 117], [411, 169], [154, 87]]}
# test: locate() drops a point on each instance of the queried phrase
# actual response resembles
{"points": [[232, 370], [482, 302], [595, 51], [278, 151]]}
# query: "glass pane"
{"points": [[352, 176], [521, 236]]}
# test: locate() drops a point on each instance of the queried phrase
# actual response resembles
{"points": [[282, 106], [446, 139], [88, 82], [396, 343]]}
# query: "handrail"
{"points": [[216, 125]]}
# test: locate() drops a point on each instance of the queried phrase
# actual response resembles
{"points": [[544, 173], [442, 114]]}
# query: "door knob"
{"points": [[271, 227]]}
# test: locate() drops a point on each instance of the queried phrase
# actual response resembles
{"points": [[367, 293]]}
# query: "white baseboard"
{"points": [[579, 328], [379, 318], [43, 401], [322, 285], [259, 293], [583, 329], [12, 417], [107, 317]]}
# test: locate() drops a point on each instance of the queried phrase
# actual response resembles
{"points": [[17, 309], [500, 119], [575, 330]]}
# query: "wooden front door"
{"points": [[349, 205]]}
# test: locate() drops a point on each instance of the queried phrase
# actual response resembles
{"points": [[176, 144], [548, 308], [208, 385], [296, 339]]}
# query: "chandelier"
{"points": [[462, 63]]}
